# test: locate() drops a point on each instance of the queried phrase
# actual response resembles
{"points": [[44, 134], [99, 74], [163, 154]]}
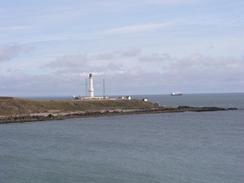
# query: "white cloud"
{"points": [[7, 52], [83, 64], [131, 71], [139, 28], [141, 2], [135, 61], [14, 28], [113, 62], [169, 1]]}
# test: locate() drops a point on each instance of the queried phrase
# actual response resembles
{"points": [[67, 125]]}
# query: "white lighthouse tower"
{"points": [[90, 86]]}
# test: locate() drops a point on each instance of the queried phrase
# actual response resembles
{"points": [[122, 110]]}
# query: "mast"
{"points": [[85, 93], [104, 88]]}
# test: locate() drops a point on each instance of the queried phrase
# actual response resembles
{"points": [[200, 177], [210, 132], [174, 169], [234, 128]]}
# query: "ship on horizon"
{"points": [[176, 94]]}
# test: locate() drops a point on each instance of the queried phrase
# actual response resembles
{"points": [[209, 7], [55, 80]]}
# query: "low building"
{"points": [[145, 100]]}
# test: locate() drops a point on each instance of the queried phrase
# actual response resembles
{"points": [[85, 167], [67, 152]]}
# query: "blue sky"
{"points": [[139, 46]]}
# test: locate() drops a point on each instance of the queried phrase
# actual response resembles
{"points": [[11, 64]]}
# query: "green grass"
{"points": [[13, 106]]}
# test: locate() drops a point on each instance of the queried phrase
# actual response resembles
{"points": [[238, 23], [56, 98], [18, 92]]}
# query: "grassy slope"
{"points": [[23, 106]]}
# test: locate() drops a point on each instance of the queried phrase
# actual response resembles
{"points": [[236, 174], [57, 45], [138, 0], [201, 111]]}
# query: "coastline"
{"points": [[47, 116]]}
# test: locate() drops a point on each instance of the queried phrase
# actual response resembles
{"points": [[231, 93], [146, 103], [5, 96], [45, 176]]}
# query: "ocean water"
{"points": [[159, 148]]}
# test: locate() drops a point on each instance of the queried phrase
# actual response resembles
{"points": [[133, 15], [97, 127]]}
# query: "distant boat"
{"points": [[176, 94]]}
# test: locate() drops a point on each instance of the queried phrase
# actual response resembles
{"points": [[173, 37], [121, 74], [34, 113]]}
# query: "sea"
{"points": [[189, 147]]}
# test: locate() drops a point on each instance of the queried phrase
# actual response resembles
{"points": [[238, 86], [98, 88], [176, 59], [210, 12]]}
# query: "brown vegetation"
{"points": [[23, 110], [15, 106]]}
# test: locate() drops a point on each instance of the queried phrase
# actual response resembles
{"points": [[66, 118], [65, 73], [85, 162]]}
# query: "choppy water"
{"points": [[164, 148]]}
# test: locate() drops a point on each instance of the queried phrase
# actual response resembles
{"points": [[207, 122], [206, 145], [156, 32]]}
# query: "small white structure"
{"points": [[145, 100], [122, 98], [128, 98], [90, 86], [125, 98]]}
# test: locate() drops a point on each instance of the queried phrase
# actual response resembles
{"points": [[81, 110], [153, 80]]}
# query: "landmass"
{"points": [[13, 110]]}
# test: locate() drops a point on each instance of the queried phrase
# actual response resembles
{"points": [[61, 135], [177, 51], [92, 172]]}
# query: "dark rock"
{"points": [[50, 116], [232, 108], [184, 107]]}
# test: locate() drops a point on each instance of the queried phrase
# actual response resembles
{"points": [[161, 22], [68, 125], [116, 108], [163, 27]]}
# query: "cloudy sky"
{"points": [[48, 47]]}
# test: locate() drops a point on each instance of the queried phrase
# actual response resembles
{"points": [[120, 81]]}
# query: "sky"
{"points": [[48, 47]]}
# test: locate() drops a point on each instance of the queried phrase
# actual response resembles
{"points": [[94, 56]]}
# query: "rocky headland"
{"points": [[13, 110]]}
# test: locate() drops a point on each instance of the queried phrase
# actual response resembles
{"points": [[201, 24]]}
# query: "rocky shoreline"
{"points": [[47, 116]]}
